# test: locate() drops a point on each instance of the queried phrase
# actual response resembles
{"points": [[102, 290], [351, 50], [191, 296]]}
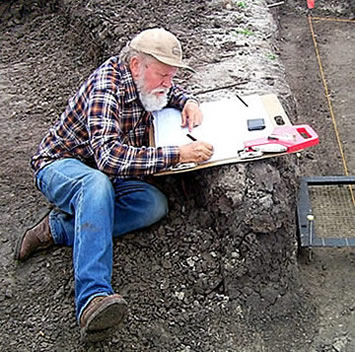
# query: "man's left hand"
{"points": [[191, 115]]}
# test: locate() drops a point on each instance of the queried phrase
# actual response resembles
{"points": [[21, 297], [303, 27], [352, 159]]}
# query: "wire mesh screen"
{"points": [[333, 209]]}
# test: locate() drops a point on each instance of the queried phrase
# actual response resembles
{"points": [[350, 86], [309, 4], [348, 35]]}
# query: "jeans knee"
{"points": [[139, 205], [158, 205], [100, 185]]}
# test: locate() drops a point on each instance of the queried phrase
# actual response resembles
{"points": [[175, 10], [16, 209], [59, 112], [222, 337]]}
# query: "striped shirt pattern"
{"points": [[105, 126]]}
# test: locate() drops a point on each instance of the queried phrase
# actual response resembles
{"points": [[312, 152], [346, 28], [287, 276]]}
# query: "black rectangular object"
{"points": [[256, 124]]}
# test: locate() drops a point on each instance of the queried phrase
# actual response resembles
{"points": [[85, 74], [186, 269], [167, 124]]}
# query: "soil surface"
{"points": [[329, 276], [43, 61]]}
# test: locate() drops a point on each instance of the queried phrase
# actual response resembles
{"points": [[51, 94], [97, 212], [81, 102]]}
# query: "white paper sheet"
{"points": [[224, 126]]}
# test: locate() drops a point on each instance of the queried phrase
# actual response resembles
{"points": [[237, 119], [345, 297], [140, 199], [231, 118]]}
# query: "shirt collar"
{"points": [[128, 88]]}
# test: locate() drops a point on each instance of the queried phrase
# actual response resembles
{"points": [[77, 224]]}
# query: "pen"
{"points": [[191, 137], [242, 100]]}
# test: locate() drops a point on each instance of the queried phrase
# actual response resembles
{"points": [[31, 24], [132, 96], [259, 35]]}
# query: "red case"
{"points": [[295, 138]]}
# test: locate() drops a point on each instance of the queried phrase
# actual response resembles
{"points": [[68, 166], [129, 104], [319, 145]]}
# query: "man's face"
{"points": [[157, 75], [154, 80]]}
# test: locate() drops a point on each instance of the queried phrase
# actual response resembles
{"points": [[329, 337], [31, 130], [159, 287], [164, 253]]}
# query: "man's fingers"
{"points": [[207, 146], [194, 120], [207, 154], [191, 115], [199, 119], [183, 119], [191, 124], [195, 152], [203, 151], [210, 147]]}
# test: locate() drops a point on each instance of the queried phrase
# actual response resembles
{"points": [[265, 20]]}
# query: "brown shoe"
{"points": [[101, 315], [37, 237]]}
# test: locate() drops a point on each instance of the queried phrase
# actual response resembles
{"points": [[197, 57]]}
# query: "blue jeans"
{"points": [[94, 210]]}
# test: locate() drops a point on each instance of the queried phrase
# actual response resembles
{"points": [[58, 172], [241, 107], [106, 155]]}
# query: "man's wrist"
{"points": [[192, 100]]}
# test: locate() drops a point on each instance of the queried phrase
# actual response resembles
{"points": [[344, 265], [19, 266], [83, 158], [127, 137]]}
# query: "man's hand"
{"points": [[195, 152], [191, 115]]}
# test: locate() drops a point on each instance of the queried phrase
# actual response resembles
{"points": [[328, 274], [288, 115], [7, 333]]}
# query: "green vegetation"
{"points": [[241, 4], [245, 31], [271, 56]]}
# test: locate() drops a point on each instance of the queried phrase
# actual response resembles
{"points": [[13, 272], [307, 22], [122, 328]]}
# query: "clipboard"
{"points": [[235, 143]]}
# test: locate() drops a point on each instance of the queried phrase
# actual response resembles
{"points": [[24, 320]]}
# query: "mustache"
{"points": [[160, 90]]}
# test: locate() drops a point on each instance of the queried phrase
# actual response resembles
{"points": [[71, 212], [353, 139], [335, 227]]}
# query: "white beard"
{"points": [[149, 100]]}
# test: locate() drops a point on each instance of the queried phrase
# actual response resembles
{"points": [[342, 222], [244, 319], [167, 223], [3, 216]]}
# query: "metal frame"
{"points": [[306, 230]]}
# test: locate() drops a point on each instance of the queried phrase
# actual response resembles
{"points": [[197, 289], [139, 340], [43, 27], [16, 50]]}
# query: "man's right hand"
{"points": [[196, 152]]}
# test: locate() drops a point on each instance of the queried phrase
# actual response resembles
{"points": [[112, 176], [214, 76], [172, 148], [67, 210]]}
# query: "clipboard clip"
{"points": [[249, 153], [259, 150], [182, 166]]}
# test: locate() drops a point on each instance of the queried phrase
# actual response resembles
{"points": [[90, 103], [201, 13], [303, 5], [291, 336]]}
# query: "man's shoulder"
{"points": [[111, 69], [112, 74]]}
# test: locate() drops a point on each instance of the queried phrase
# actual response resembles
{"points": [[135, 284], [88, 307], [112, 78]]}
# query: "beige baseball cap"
{"points": [[162, 45]]}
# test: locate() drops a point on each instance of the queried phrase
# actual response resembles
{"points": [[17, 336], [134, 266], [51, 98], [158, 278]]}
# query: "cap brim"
{"points": [[173, 63]]}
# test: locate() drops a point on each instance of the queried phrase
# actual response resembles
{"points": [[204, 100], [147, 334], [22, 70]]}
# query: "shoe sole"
{"points": [[20, 240], [108, 317]]}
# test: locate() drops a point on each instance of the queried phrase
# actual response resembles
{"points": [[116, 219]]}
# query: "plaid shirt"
{"points": [[106, 127]]}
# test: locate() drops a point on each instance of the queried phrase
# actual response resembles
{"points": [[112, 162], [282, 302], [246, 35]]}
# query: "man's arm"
{"points": [[113, 156], [178, 98]]}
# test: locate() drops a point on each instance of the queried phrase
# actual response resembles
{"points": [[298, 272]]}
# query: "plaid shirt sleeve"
{"points": [[178, 98], [112, 154]]}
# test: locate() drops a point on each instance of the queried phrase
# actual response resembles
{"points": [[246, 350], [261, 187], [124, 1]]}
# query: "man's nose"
{"points": [[167, 82]]}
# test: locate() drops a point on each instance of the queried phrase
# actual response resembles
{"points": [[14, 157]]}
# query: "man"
{"points": [[92, 163]]}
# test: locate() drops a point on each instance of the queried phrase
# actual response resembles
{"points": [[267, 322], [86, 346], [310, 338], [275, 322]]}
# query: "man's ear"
{"points": [[134, 66]]}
